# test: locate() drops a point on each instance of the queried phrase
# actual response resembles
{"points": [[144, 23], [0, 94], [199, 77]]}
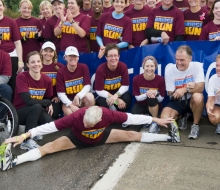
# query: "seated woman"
{"points": [[112, 81], [149, 91], [32, 98], [73, 83], [50, 68]]}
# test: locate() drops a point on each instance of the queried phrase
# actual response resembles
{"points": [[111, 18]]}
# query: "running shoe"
{"points": [[217, 129], [182, 123], [174, 133], [38, 138], [5, 157], [194, 133], [154, 128], [28, 145]]}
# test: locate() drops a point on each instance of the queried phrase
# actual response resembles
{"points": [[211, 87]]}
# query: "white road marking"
{"points": [[115, 172]]}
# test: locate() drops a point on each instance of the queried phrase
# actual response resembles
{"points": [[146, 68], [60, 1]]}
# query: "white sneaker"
{"points": [[5, 157], [194, 133], [154, 128]]}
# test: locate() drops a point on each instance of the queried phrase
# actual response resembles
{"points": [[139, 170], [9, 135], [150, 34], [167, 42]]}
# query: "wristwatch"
{"points": [[73, 21], [188, 90]]}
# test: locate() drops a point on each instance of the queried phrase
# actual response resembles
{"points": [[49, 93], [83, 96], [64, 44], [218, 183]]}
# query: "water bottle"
{"points": [[156, 39], [9, 126]]}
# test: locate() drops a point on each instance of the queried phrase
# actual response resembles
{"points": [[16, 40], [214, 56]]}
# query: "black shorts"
{"points": [[180, 106], [81, 145]]}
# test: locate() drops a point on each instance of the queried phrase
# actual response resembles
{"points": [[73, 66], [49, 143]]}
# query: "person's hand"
{"points": [[16, 140], [73, 108], [163, 122], [27, 33], [62, 17], [39, 33], [69, 15], [76, 101], [111, 100], [151, 93], [209, 111], [191, 85], [50, 110], [55, 99], [179, 93], [101, 52], [121, 104], [130, 46], [144, 42], [165, 38]]}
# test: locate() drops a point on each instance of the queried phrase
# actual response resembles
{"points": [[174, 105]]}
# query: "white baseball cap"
{"points": [[48, 45], [71, 50], [56, 0]]}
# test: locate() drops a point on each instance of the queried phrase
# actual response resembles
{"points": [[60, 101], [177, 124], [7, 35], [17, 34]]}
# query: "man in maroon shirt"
{"points": [[166, 22], [48, 32], [89, 128]]}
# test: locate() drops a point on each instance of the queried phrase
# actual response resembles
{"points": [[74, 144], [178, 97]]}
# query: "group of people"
{"points": [[55, 83]]}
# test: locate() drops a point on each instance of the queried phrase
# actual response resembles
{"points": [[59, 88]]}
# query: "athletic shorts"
{"points": [[180, 106], [81, 145]]}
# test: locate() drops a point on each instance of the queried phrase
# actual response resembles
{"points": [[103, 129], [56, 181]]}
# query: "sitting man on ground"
{"points": [[185, 84], [213, 102], [89, 128]]}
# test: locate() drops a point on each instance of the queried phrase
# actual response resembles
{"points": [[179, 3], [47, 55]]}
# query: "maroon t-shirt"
{"points": [[70, 36], [210, 31], [139, 19], [171, 21], [73, 82], [5, 64], [38, 89], [87, 12], [94, 47], [10, 34], [48, 32], [106, 10], [51, 71], [141, 86], [90, 135], [111, 81], [159, 4], [32, 25], [43, 21], [111, 29], [194, 23], [182, 5]]}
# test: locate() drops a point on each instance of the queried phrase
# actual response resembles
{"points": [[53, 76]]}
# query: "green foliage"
{"points": [[9, 13]]}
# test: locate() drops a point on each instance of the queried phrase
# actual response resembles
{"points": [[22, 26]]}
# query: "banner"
{"points": [[204, 52]]}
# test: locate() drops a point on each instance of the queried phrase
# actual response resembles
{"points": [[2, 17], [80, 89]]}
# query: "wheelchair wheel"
{"points": [[8, 120]]}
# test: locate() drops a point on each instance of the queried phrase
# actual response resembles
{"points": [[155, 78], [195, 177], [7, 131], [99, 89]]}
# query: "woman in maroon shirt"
{"points": [[30, 29], [10, 43], [50, 68], [46, 11], [211, 31], [32, 97]]}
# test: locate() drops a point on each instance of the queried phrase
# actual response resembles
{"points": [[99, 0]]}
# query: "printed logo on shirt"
{"points": [[213, 35], [68, 28], [182, 82], [93, 134], [53, 76], [143, 90], [37, 93], [163, 23], [5, 31], [139, 24], [112, 84], [193, 27], [74, 86], [31, 30], [113, 32], [92, 33]]}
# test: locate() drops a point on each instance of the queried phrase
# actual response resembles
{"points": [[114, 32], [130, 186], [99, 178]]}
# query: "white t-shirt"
{"points": [[214, 87], [175, 78]]}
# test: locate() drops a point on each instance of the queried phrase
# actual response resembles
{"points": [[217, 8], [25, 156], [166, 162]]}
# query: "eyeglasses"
{"points": [[112, 56]]}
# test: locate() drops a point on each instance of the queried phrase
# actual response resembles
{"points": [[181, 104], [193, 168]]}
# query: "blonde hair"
{"points": [[93, 115], [26, 1], [54, 60], [45, 3]]}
